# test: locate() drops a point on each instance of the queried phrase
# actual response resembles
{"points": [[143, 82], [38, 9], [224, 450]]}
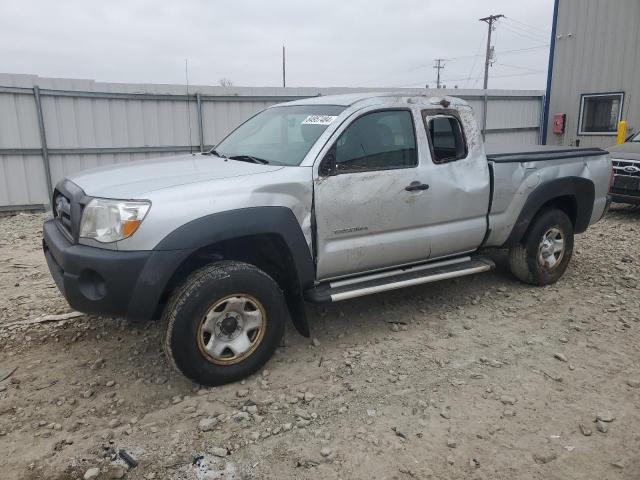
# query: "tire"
{"points": [[531, 260], [201, 315]]}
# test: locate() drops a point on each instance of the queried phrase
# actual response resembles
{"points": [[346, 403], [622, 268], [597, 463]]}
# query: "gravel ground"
{"points": [[476, 378]]}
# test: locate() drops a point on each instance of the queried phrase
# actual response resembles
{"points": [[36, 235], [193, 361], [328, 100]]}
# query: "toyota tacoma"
{"points": [[317, 200]]}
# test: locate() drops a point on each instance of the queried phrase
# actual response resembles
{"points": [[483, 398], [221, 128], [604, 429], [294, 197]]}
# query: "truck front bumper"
{"points": [[98, 281], [623, 198]]}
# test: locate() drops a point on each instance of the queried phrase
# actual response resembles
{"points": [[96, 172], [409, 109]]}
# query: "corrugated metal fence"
{"points": [[50, 127]]}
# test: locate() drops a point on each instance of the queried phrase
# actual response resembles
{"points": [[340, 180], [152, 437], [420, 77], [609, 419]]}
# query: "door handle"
{"points": [[415, 186]]}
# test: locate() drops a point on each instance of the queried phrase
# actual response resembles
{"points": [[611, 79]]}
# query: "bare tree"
{"points": [[225, 82]]}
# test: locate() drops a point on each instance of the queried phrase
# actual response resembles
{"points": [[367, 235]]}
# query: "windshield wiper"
{"points": [[213, 152], [249, 158]]}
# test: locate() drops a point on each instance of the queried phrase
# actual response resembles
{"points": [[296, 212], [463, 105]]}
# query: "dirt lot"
{"points": [[480, 378]]}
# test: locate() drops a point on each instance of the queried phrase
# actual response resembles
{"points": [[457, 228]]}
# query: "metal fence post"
{"points": [[485, 105], [200, 122], [543, 102], [43, 142]]}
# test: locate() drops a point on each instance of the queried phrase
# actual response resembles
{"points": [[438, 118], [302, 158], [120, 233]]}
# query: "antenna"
{"points": [[186, 74], [284, 69]]}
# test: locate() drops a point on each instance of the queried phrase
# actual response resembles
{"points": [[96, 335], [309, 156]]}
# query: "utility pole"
{"points": [[439, 67], [284, 70], [490, 20]]}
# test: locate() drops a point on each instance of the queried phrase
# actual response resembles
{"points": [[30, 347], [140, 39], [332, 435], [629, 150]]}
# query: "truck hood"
{"points": [[133, 180], [629, 151]]}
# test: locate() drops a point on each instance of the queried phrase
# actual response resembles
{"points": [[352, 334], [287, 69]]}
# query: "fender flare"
{"points": [[210, 229], [581, 189]]}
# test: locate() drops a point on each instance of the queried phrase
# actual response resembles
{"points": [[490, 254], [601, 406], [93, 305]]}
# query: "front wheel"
{"points": [[223, 323], [546, 249]]}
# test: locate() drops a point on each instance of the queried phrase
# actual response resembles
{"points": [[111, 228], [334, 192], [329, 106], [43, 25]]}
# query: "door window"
{"points": [[377, 141], [447, 140]]}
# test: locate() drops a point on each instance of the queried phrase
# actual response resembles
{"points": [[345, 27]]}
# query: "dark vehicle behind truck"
{"points": [[626, 168]]}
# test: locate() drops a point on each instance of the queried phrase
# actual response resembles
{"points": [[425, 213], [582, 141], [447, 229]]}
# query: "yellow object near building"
{"points": [[622, 132]]}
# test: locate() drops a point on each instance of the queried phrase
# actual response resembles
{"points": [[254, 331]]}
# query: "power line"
{"points": [[475, 79], [467, 57], [499, 52], [446, 80], [525, 31], [533, 72], [522, 33], [517, 67], [528, 49], [475, 61], [542, 30]]}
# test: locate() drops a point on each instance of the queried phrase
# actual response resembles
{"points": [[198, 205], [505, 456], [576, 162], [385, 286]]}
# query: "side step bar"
{"points": [[400, 278]]}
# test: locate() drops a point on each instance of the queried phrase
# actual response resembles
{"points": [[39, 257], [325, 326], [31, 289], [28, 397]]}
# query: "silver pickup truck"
{"points": [[316, 200]]}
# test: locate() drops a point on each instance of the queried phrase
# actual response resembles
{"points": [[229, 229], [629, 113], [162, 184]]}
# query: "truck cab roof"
{"points": [[366, 99]]}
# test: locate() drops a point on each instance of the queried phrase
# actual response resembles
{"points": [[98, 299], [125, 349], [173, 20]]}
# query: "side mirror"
{"points": [[328, 164]]}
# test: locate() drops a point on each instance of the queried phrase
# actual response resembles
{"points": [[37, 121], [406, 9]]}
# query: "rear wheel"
{"points": [[223, 323], [546, 249]]}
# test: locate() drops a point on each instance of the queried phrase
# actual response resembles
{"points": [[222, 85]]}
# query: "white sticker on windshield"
{"points": [[319, 120]]}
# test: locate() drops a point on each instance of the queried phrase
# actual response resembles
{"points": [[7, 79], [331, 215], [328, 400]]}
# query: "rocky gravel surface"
{"points": [[476, 378]]}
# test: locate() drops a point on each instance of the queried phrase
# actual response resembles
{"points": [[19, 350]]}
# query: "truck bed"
{"points": [[523, 176], [535, 153]]}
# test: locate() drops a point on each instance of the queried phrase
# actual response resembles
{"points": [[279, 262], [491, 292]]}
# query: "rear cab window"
{"points": [[446, 136], [379, 140]]}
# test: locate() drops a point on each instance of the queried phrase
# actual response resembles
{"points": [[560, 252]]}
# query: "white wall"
{"points": [[103, 120]]}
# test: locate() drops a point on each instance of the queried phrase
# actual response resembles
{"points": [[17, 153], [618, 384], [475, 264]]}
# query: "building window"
{"points": [[600, 113]]}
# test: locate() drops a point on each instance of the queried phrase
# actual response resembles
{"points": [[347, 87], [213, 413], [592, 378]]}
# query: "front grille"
{"points": [[626, 176], [62, 212], [68, 202], [626, 168]]}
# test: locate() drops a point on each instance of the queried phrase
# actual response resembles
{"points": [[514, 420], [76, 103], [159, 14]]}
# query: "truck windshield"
{"points": [[279, 135], [635, 138]]}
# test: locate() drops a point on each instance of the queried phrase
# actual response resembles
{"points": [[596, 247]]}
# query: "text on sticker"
{"points": [[319, 120]]}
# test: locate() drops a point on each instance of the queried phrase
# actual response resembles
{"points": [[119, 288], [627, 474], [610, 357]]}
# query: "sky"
{"points": [[329, 43]]}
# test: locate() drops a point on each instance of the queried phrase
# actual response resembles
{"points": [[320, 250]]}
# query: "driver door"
{"points": [[370, 198]]}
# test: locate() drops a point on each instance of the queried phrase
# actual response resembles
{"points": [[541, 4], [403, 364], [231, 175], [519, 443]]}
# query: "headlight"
{"points": [[112, 220]]}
